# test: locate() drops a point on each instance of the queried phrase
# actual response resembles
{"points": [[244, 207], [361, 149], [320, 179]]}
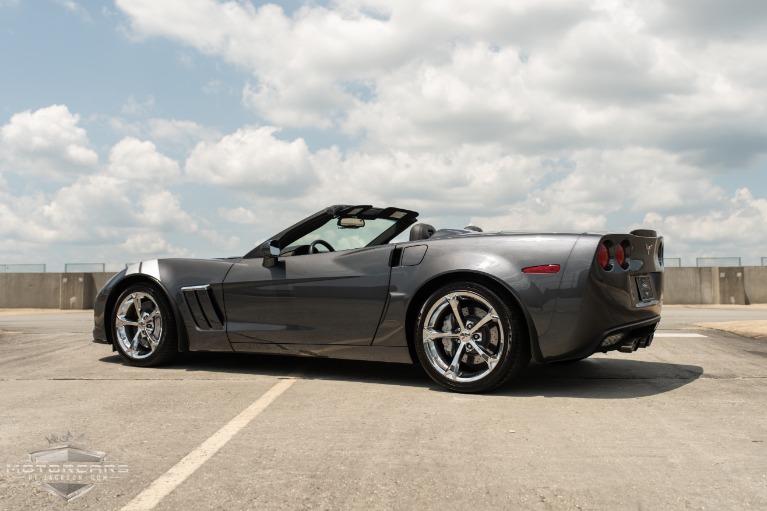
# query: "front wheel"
{"points": [[470, 340], [143, 326]]}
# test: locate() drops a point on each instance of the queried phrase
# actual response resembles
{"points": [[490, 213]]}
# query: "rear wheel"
{"points": [[143, 326], [469, 340]]}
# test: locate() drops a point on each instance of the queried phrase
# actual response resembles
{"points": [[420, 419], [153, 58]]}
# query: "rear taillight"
{"points": [[603, 255], [614, 255], [620, 255]]}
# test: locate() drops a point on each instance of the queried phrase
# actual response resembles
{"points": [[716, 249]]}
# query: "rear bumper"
{"points": [[629, 338]]}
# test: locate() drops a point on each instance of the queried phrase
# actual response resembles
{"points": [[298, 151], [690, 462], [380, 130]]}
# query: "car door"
{"points": [[322, 298]]}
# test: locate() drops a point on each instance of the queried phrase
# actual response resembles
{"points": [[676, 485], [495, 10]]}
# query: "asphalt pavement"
{"points": [[680, 425]]}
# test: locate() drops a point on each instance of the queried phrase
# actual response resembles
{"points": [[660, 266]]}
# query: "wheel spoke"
{"points": [[429, 334], [490, 360], [155, 313], [490, 316], [137, 305], [134, 342], [452, 371], [121, 321], [453, 300]]}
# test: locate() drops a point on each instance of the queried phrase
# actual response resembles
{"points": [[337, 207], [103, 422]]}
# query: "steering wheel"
{"points": [[313, 246]]}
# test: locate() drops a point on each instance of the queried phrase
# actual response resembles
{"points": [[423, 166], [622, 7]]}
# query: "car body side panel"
{"points": [[180, 274], [391, 354], [500, 258], [325, 298]]}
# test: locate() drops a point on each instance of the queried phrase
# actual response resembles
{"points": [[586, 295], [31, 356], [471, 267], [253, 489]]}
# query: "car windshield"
{"points": [[341, 238]]}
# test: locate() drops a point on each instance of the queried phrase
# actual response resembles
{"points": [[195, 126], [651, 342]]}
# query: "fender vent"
{"points": [[202, 307]]}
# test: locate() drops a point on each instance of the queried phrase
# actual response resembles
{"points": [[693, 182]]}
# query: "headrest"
{"points": [[421, 232]]}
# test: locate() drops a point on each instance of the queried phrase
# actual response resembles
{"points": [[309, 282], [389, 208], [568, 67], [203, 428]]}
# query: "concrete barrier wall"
{"points": [[742, 285], [684, 286], [690, 286], [50, 290], [755, 284]]}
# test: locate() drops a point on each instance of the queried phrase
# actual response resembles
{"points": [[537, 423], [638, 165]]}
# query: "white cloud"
{"points": [[556, 115], [135, 107], [212, 87], [177, 134], [162, 209], [182, 132], [702, 19], [239, 215], [536, 77], [285, 102], [733, 227], [121, 204], [146, 245], [46, 143], [75, 7], [220, 241], [140, 164], [253, 157], [90, 210], [464, 179]]}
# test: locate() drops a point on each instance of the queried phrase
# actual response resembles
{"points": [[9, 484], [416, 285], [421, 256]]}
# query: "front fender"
{"points": [[106, 300]]}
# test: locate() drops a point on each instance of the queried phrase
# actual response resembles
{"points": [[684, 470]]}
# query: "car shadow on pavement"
{"points": [[601, 378], [594, 378], [309, 368]]}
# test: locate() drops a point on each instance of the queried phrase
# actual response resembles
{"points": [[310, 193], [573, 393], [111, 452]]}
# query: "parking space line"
{"points": [[170, 480], [680, 334]]}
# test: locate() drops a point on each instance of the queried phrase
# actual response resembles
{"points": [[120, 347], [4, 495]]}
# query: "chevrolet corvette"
{"points": [[471, 307]]}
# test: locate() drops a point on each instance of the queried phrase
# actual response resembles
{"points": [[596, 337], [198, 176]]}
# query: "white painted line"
{"points": [[674, 334], [170, 480]]}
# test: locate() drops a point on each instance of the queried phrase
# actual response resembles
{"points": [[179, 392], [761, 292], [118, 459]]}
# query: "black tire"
{"points": [[143, 326], [485, 353]]}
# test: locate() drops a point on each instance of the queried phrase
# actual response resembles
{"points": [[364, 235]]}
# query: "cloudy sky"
{"points": [[141, 129]]}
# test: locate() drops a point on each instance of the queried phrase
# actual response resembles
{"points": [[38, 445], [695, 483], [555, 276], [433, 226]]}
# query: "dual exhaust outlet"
{"points": [[633, 344]]}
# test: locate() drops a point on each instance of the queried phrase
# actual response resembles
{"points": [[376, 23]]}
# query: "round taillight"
{"points": [[603, 256], [620, 255]]}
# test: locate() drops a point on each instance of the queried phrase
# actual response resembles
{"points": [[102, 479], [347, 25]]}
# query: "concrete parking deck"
{"points": [[681, 425]]}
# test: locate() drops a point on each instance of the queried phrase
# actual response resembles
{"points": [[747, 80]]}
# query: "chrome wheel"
{"points": [[471, 337], [464, 339], [138, 325]]}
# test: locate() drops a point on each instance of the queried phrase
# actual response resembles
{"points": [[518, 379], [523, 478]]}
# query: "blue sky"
{"points": [[141, 129]]}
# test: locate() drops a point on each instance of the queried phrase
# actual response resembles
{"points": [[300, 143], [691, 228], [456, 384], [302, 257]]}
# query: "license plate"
{"points": [[644, 286]]}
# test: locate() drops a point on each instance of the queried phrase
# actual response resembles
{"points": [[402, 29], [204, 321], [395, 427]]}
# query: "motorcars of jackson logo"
{"points": [[66, 468]]}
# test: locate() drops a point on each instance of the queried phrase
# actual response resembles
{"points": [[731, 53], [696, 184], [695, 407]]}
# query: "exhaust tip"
{"points": [[629, 346]]}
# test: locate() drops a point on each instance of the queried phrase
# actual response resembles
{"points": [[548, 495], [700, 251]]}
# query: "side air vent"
{"points": [[202, 307]]}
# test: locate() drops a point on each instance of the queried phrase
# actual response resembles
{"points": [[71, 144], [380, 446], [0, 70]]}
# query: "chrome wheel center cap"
{"points": [[464, 336]]}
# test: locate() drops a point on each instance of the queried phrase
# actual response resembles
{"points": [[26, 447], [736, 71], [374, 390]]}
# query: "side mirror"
{"points": [[271, 251]]}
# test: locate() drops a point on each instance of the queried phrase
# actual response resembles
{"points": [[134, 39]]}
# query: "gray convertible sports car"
{"points": [[471, 307]]}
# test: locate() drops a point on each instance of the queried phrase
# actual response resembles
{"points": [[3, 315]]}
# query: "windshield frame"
{"points": [[404, 218]]}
